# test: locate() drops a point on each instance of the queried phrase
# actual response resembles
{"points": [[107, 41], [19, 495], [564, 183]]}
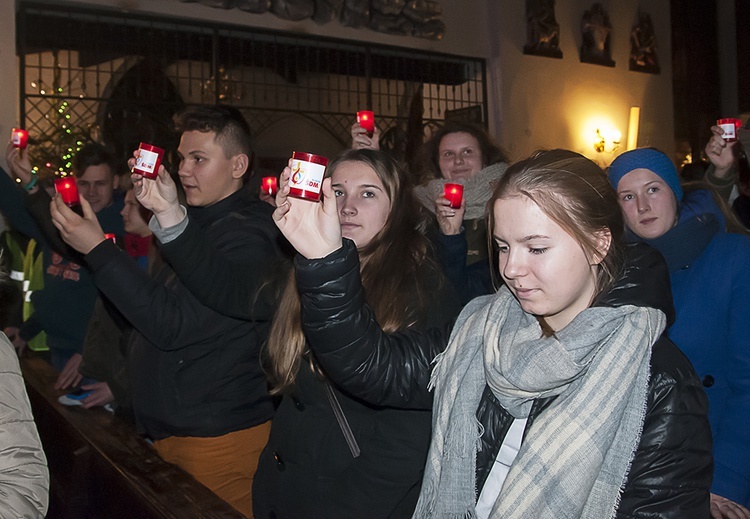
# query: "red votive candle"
{"points": [[19, 137], [67, 188], [453, 193], [366, 120], [307, 175], [270, 185], [730, 125], [110, 236], [149, 160]]}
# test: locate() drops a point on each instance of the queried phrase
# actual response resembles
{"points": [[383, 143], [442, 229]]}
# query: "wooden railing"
{"points": [[101, 468]]}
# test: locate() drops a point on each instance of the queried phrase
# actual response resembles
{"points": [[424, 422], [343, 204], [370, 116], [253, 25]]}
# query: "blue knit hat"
{"points": [[649, 159]]}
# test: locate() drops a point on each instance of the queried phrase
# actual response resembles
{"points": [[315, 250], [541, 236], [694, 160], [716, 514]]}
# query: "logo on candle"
{"points": [[148, 161], [19, 137], [307, 175], [730, 126]]}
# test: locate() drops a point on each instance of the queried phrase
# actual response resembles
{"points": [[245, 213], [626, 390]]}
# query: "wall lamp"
{"points": [[607, 141]]}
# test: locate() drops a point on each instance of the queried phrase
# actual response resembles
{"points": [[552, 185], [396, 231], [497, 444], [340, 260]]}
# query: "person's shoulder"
{"points": [[670, 366], [731, 245]]}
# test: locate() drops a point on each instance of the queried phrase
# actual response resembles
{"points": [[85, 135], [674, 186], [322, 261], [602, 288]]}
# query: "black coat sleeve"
{"points": [[356, 354], [240, 281], [161, 310], [670, 475], [470, 281]]}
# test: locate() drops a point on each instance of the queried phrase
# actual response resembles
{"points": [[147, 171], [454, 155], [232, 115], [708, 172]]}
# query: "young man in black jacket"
{"points": [[198, 388]]}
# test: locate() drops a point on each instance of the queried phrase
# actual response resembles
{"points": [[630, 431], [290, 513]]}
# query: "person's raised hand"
{"points": [[449, 220], [81, 233], [360, 139], [723, 508], [159, 195], [312, 228], [719, 152], [19, 165]]}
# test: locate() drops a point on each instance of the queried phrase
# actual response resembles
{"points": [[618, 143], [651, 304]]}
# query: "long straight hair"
{"points": [[389, 267]]}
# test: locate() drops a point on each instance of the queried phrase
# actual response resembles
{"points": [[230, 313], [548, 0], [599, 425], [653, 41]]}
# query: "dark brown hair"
{"points": [[491, 153]]}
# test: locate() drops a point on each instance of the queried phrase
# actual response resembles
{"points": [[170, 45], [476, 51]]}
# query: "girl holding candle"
{"points": [[463, 153], [458, 153], [329, 454], [710, 283], [556, 397]]}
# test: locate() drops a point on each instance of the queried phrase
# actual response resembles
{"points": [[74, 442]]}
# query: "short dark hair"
{"points": [[491, 152], [227, 122], [93, 154]]}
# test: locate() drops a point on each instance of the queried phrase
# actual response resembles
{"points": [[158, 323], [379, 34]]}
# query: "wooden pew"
{"points": [[101, 468]]}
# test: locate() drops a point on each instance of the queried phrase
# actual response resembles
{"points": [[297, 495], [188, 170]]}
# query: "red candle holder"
{"points": [[67, 188], [149, 160], [307, 175], [366, 120], [730, 125], [19, 137], [270, 185], [453, 193]]}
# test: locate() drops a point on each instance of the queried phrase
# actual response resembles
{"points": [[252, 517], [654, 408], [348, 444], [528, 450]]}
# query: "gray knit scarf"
{"points": [[576, 454], [477, 190]]}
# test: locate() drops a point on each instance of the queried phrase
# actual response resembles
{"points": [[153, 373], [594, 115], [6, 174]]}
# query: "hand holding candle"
{"points": [[366, 120], [313, 229], [67, 188], [81, 233]]}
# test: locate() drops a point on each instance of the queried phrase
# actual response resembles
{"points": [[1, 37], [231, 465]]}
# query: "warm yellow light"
{"points": [[633, 123], [607, 140]]}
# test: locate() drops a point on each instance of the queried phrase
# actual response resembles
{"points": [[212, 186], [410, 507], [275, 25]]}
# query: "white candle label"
{"points": [[307, 176], [16, 139], [729, 131], [147, 161]]}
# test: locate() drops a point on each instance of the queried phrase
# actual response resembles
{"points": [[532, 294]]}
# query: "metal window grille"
{"points": [[113, 77]]}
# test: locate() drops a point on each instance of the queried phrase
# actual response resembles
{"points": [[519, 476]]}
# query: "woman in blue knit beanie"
{"points": [[711, 289]]}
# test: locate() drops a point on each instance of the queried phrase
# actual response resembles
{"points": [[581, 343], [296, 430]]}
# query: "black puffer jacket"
{"points": [[194, 371], [307, 468], [671, 473]]}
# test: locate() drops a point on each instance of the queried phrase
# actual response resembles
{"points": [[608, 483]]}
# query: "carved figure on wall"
{"points": [[420, 18], [643, 56], [595, 30], [542, 30]]}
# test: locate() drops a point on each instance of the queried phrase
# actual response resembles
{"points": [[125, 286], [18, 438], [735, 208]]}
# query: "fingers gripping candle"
{"points": [[307, 175]]}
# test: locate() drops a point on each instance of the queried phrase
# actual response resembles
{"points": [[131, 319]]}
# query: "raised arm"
{"points": [[380, 368]]}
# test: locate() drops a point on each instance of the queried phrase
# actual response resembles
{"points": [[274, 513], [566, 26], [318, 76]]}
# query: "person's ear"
{"points": [[240, 163], [602, 244]]}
